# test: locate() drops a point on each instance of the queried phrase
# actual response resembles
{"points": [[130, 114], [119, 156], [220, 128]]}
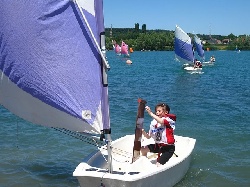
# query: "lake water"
{"points": [[213, 107]]}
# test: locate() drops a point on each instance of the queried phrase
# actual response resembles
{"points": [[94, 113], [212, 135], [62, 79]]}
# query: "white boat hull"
{"points": [[191, 68], [208, 63], [143, 172]]}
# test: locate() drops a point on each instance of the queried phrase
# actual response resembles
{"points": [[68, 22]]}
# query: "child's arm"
{"points": [[145, 134], [158, 119]]}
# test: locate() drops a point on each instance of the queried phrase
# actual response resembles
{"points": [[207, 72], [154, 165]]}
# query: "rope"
{"points": [[93, 141], [81, 136]]}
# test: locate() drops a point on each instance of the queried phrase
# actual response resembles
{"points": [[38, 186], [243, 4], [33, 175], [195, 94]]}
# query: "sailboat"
{"points": [[183, 48], [116, 47], [200, 51], [199, 47], [124, 49], [54, 73]]}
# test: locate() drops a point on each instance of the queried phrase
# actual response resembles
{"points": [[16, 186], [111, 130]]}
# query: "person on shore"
{"points": [[162, 131]]}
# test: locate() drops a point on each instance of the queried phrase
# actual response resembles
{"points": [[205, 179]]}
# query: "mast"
{"points": [[138, 129]]}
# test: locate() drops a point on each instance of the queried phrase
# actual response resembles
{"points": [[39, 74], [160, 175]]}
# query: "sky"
{"points": [[215, 17]]}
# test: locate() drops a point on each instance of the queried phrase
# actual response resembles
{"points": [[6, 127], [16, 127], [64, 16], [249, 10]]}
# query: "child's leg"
{"points": [[168, 151], [144, 150]]}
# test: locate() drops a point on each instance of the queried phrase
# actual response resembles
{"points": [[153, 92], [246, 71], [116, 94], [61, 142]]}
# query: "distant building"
{"points": [[226, 41], [214, 41]]}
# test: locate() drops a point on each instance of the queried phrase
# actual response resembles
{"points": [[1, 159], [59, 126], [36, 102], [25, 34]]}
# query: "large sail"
{"points": [[183, 46], [124, 48], [117, 49], [199, 47], [51, 63]]}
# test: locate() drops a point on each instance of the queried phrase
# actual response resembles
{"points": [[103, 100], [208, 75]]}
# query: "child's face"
{"points": [[160, 111]]}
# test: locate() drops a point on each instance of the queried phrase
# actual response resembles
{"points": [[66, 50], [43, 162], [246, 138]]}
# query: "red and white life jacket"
{"points": [[163, 134]]}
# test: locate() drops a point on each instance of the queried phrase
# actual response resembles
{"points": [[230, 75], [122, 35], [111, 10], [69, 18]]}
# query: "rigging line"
{"points": [[119, 152], [122, 154], [93, 142], [126, 161], [81, 137]]}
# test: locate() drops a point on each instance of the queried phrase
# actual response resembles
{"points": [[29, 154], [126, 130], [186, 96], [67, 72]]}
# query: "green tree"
{"points": [[164, 39], [137, 28]]}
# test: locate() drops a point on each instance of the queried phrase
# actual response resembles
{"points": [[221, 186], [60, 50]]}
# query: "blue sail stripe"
{"points": [[199, 47], [183, 50], [183, 46]]}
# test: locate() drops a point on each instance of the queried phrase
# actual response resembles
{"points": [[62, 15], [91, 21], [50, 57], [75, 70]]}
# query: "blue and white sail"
{"points": [[199, 47], [53, 71], [183, 46]]}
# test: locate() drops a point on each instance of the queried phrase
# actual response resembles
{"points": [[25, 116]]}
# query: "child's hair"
{"points": [[164, 106]]}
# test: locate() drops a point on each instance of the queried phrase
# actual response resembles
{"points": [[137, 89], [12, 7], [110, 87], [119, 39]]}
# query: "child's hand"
{"points": [[148, 109], [145, 134]]}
